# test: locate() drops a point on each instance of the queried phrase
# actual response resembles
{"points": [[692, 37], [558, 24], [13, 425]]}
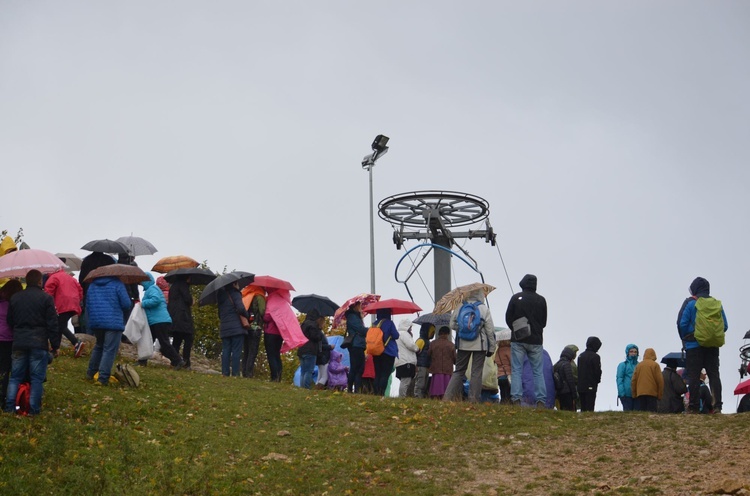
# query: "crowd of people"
{"points": [[439, 361]]}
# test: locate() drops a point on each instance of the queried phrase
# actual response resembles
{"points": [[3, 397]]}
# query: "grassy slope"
{"points": [[189, 433]]}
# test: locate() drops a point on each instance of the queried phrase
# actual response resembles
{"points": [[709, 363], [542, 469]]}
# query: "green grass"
{"points": [[191, 433]]}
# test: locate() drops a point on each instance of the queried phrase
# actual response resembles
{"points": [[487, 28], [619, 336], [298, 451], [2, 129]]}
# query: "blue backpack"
{"points": [[469, 321]]}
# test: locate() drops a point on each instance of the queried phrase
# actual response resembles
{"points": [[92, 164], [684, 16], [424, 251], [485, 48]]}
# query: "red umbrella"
{"points": [[743, 387], [267, 282], [395, 305], [363, 298], [18, 263]]}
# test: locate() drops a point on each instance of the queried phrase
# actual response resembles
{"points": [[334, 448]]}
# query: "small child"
{"points": [[442, 358], [647, 383], [567, 392], [337, 372], [502, 360]]}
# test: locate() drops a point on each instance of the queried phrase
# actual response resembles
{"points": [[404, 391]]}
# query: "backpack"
{"points": [[127, 375], [374, 339], [709, 323], [558, 377], [23, 399], [469, 321]]}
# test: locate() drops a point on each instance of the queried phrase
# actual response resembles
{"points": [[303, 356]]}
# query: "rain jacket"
{"points": [[106, 300], [337, 370], [528, 303], [66, 292], [565, 369], [625, 373], [426, 333], [179, 303], [154, 303], [389, 331], [162, 284], [647, 379], [674, 388], [7, 245], [279, 313], [699, 288], [442, 355], [527, 377], [314, 335], [590, 366], [486, 339], [33, 318], [230, 308], [355, 325], [502, 354], [407, 350]]}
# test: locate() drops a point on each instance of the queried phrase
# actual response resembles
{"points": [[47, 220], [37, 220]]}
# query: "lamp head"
{"points": [[380, 143]]}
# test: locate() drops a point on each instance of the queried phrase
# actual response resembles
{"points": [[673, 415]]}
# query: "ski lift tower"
{"points": [[434, 214]]}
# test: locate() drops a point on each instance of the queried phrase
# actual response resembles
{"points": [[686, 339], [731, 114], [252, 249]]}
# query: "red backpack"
{"points": [[23, 399]]}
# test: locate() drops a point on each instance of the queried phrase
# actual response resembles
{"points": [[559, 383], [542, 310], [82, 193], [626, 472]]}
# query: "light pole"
{"points": [[379, 149]]}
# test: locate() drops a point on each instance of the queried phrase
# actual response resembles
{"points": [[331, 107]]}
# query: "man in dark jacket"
{"points": [[589, 374], [674, 387], [566, 395], [533, 307], [33, 318], [308, 352]]}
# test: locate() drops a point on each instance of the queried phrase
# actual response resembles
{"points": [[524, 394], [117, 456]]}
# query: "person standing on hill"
{"points": [[702, 324], [674, 387], [647, 383], [67, 294], [355, 327], [159, 320], [589, 373], [422, 376], [567, 392], [624, 375], [384, 362], [532, 307], [308, 352], [406, 363], [107, 301], [179, 303]]}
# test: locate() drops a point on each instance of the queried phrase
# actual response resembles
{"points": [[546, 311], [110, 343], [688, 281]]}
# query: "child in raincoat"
{"points": [[337, 372]]}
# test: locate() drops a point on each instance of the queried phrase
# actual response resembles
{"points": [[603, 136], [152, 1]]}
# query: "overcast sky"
{"points": [[610, 140]]}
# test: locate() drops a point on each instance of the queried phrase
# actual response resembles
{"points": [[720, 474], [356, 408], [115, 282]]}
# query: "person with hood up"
{"points": [[589, 374], [564, 369], [624, 376], [476, 350], [107, 301], [231, 332], [179, 303], [421, 378], [355, 327], [67, 293], [699, 357], [674, 388], [337, 372], [502, 360], [406, 363], [159, 320], [532, 306], [308, 352], [384, 362], [647, 383]]}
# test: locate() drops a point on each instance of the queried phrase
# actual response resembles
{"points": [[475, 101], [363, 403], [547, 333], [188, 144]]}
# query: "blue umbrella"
{"points": [[675, 355]]}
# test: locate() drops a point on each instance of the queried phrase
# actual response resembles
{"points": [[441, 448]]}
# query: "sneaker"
{"points": [[80, 345], [180, 365]]}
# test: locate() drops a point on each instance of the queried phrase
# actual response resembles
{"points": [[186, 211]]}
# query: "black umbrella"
{"points": [[105, 246], [308, 303], [675, 355], [436, 319], [197, 276], [208, 296]]}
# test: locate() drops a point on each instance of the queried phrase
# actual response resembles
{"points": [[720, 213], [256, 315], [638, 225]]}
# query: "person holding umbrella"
{"points": [[160, 322], [179, 306], [308, 352], [231, 330], [384, 362], [355, 327]]}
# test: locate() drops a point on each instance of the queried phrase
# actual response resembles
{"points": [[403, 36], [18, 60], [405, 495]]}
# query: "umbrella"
{"points": [[71, 260], [675, 355], [208, 296], [453, 298], [137, 246], [18, 263], [307, 303], [436, 319], [267, 282], [364, 298], [743, 387], [168, 264], [129, 274], [395, 305], [105, 246], [197, 276]]}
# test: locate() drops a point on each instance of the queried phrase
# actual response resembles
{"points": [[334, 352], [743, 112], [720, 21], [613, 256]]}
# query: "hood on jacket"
{"points": [[149, 283], [476, 295], [528, 283], [700, 287], [502, 334], [162, 283], [593, 343], [567, 353], [312, 315], [7, 245], [627, 349], [426, 331], [404, 325], [336, 356], [383, 313], [574, 348], [650, 354]]}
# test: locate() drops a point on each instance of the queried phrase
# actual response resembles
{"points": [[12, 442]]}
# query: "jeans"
{"points": [[231, 352], [534, 352], [383, 368], [356, 369], [104, 353], [307, 365], [34, 363], [703, 358], [273, 344]]}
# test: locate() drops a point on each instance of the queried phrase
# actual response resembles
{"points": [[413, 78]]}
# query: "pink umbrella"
{"points": [[267, 282], [395, 305], [363, 298], [18, 263]]}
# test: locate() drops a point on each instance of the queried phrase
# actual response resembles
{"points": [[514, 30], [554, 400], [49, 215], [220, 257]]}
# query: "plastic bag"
{"points": [[139, 333]]}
